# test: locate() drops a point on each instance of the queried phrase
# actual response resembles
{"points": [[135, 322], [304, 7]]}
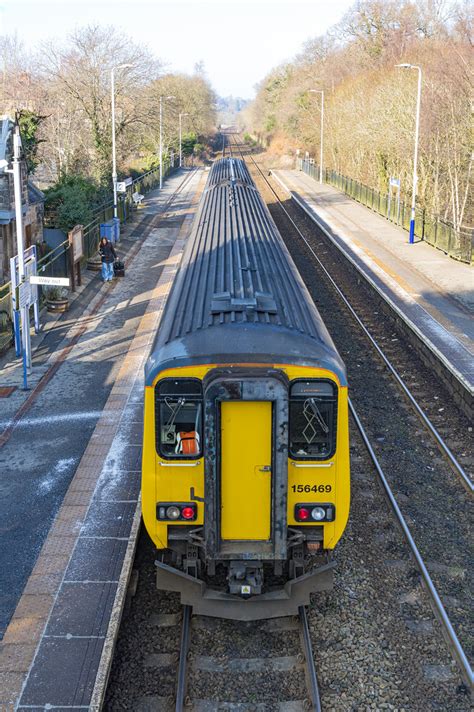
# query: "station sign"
{"points": [[50, 281], [122, 185]]}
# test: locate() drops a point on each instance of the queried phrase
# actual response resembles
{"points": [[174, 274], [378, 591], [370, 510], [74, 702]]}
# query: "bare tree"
{"points": [[78, 75], [370, 105]]}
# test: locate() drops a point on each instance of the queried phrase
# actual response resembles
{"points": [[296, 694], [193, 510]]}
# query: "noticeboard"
{"points": [[24, 296], [29, 261], [76, 241]]}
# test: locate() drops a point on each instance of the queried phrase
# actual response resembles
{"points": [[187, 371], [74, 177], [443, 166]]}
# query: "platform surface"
{"points": [[70, 467], [433, 291]]}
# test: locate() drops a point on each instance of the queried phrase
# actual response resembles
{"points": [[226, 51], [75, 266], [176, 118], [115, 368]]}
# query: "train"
{"points": [[245, 470]]}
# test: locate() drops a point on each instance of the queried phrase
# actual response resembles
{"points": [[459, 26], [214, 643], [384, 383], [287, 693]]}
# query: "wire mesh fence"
{"points": [[456, 243], [55, 262]]}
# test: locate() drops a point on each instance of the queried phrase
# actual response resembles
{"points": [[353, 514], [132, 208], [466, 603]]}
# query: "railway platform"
{"points": [[432, 293], [70, 451]]}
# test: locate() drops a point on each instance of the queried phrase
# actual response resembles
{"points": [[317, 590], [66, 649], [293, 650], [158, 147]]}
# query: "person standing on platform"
{"points": [[108, 255]]}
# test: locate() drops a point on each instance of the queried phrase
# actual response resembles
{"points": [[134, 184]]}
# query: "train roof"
{"points": [[237, 296]]}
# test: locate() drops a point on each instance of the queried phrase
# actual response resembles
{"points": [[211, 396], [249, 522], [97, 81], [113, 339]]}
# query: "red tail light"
{"points": [[303, 514], [188, 513]]}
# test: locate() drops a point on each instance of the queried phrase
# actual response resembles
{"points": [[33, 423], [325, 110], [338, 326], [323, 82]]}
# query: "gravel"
{"points": [[376, 642], [431, 496]]}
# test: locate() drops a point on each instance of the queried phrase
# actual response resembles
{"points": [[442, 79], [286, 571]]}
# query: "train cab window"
{"points": [[178, 405], [313, 406]]}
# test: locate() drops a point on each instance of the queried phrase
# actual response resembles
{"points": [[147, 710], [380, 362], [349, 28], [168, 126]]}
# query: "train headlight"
{"points": [[318, 513], [315, 512], [173, 512], [176, 511]]}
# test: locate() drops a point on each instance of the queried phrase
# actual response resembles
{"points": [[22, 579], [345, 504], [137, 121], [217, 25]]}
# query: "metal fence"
{"points": [[56, 263], [456, 243]]}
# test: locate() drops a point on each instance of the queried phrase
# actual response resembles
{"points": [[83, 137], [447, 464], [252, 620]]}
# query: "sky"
{"points": [[239, 42]]}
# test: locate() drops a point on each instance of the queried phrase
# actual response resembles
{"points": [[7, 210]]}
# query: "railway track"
{"points": [[435, 422], [439, 572], [373, 643], [281, 671]]}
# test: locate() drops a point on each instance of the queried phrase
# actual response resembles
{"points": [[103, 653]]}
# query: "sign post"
{"points": [[30, 266], [76, 251], [393, 183], [122, 185], [21, 270]]}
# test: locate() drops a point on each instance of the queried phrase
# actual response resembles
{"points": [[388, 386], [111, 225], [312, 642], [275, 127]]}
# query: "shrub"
{"points": [[72, 200]]}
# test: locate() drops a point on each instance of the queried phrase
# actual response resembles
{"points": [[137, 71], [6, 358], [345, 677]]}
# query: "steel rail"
{"points": [[439, 440], [183, 659], [308, 654], [440, 612]]}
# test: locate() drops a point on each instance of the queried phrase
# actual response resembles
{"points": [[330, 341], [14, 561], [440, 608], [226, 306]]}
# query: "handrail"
{"points": [[98, 215], [457, 243]]}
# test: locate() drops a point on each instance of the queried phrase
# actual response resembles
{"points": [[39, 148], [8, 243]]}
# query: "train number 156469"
{"points": [[311, 488]]}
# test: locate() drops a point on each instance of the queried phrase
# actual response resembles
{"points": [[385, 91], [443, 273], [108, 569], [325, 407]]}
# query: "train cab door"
{"points": [[246, 463], [246, 470]]}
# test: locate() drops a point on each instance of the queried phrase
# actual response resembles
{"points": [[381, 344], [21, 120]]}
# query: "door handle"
{"points": [[265, 468]]}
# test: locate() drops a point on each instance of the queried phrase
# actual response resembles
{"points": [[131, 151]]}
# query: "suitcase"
{"points": [[119, 268]]}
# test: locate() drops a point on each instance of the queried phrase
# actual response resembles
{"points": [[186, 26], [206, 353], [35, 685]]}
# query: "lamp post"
{"points": [[180, 151], [405, 65], [114, 161], [320, 91], [24, 310], [166, 98]]}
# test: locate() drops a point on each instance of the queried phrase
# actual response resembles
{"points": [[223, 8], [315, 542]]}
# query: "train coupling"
{"points": [[245, 578]]}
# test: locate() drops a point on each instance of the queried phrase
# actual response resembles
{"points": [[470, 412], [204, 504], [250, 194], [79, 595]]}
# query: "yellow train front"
{"points": [[245, 483]]}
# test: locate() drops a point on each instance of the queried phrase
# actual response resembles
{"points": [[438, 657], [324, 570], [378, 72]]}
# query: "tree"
{"points": [[29, 122], [370, 105], [192, 96], [79, 73]]}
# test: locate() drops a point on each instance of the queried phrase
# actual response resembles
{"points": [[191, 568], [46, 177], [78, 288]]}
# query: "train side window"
{"points": [[313, 409], [178, 406]]}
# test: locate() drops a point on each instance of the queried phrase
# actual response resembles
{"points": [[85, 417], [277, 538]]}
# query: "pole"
{"points": [[114, 161], [322, 135], [321, 149], [161, 142], [25, 320], [415, 160], [180, 154]]}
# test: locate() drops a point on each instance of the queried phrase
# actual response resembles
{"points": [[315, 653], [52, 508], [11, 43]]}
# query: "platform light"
{"points": [[114, 160], [407, 65], [165, 98], [321, 150]]}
